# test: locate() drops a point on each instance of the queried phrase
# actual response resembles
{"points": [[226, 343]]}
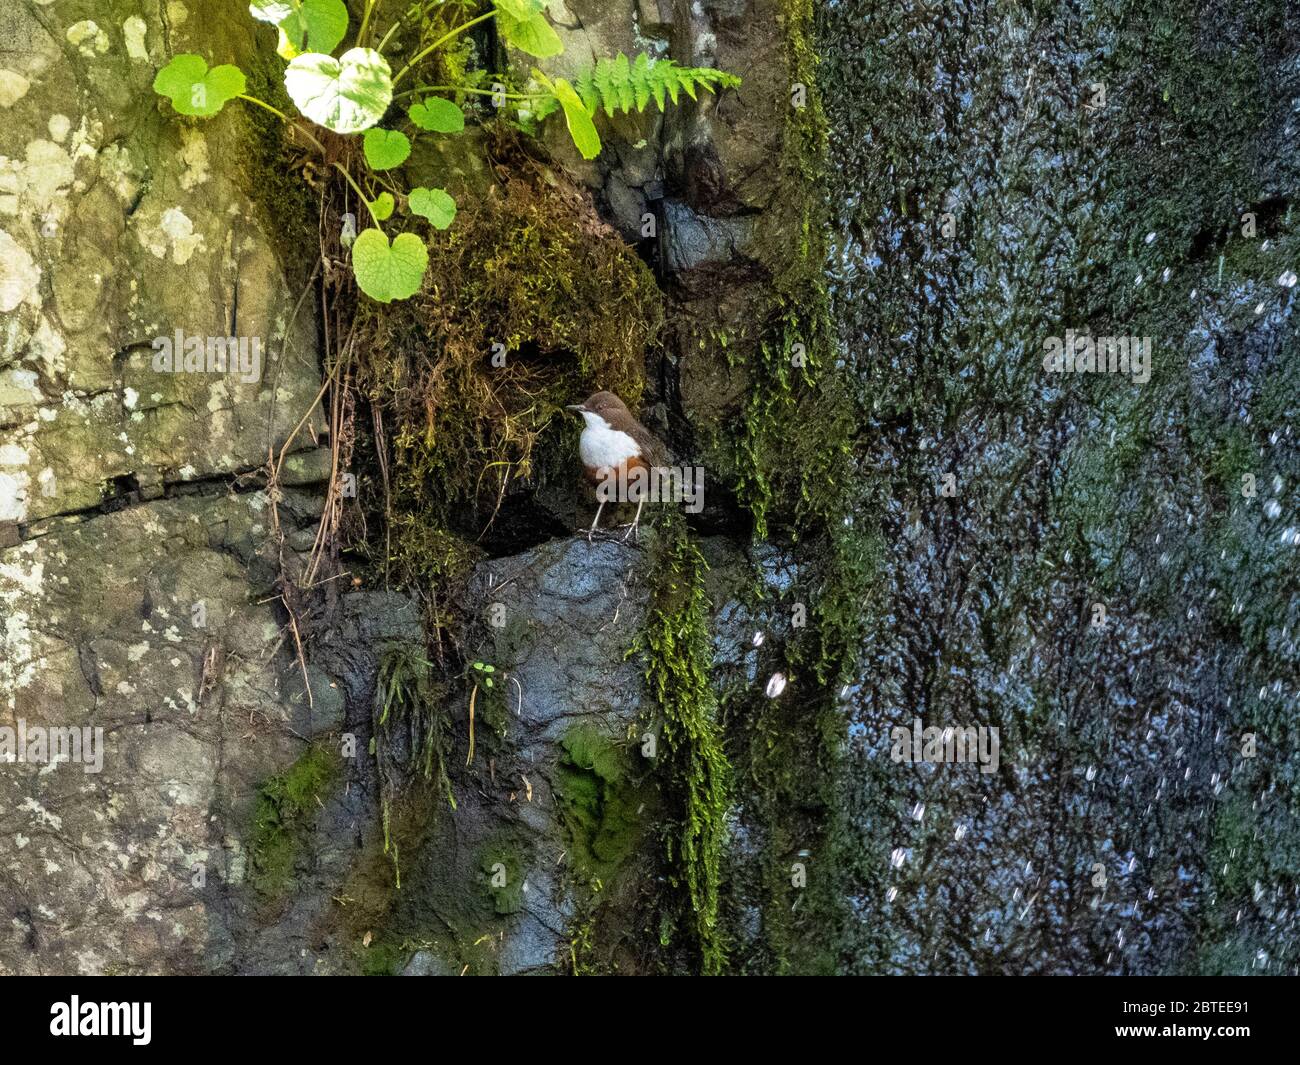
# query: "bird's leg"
{"points": [[595, 520], [636, 522]]}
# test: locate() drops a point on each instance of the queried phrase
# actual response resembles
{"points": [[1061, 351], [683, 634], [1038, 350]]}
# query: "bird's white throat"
{"points": [[601, 445]]}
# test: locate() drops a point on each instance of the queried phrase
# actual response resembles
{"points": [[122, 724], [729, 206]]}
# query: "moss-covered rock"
{"points": [[282, 817]]}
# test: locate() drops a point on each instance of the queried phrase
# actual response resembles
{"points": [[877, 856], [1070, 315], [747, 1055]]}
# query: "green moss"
{"points": [[798, 479], [383, 959], [282, 816], [408, 697], [530, 301], [1237, 860], [797, 425], [597, 801], [677, 653]]}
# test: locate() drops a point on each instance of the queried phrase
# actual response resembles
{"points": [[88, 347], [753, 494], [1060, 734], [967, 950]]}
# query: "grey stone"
{"points": [[427, 963], [692, 240]]}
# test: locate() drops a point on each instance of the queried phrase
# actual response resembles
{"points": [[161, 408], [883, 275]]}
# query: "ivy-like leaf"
{"points": [[581, 127], [517, 9], [194, 89], [522, 25], [313, 26], [435, 205], [389, 272], [385, 148], [382, 206], [437, 115], [347, 94]]}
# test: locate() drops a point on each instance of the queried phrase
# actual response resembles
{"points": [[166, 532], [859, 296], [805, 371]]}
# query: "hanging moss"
{"points": [[275, 175], [677, 652], [798, 480], [798, 424]]}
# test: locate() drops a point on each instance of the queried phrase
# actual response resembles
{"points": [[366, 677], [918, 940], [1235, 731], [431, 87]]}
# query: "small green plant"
{"points": [[351, 94], [485, 678], [282, 817], [485, 672]]}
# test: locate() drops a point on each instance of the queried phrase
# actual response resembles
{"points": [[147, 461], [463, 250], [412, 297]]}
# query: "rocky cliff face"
{"points": [[154, 587], [136, 574]]}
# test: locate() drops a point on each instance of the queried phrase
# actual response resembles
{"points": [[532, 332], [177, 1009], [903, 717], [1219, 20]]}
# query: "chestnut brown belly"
{"points": [[596, 474]]}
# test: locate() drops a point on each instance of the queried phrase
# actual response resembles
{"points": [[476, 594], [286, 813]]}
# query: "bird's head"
{"points": [[600, 405]]}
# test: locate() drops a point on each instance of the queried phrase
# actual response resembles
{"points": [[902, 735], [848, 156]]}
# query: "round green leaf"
{"points": [[194, 89], [433, 204], [385, 148], [313, 26], [517, 9], [437, 115], [386, 273], [382, 206], [347, 94], [533, 34], [581, 127]]}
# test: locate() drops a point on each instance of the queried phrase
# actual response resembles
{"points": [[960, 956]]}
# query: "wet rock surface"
{"points": [[999, 180], [556, 626]]}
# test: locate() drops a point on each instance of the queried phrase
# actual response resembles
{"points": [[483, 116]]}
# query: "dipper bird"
{"points": [[613, 444]]}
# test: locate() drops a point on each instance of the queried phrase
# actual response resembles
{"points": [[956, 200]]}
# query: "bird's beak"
{"points": [[575, 407]]}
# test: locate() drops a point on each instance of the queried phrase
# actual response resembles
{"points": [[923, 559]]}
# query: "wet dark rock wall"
{"points": [[1001, 174]]}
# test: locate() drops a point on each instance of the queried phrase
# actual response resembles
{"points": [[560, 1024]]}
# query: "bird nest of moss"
{"points": [[530, 302]]}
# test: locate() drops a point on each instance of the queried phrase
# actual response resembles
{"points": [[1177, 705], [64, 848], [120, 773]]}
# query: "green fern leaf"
{"points": [[623, 81], [602, 79], [641, 80], [623, 84]]}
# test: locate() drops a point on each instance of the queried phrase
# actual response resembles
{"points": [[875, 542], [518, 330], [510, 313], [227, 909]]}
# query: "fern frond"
{"points": [[623, 84]]}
